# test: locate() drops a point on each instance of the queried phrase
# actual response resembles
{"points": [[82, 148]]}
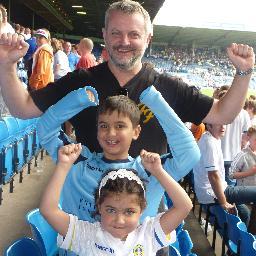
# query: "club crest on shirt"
{"points": [[138, 250]]}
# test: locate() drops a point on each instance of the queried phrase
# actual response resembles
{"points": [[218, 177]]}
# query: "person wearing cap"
{"points": [[42, 67]]}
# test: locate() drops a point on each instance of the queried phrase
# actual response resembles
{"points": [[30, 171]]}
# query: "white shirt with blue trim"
{"points": [[85, 238]]}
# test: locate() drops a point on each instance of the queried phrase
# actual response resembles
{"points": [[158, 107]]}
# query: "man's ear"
{"points": [[104, 34], [136, 132], [149, 38]]}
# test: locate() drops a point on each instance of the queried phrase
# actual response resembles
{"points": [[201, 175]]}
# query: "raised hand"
{"points": [[242, 56], [90, 95], [12, 48], [68, 154], [151, 162]]}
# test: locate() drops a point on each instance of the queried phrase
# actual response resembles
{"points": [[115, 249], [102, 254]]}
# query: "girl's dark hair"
{"points": [[123, 105], [117, 186]]}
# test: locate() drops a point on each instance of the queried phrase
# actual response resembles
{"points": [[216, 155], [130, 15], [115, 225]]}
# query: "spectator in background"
{"points": [[5, 26], [61, 64], [72, 58], [22, 31], [209, 179], [250, 107], [28, 58], [87, 59], [234, 139], [42, 68], [243, 167], [17, 28], [27, 33]]}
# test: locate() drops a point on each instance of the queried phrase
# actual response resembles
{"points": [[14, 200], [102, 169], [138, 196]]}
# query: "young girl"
{"points": [[120, 201]]}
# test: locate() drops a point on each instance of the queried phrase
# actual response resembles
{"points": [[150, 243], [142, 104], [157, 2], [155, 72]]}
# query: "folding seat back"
{"points": [[185, 243], [7, 152], [220, 225], [44, 235], [233, 232], [20, 150], [23, 247], [247, 241], [13, 129]]}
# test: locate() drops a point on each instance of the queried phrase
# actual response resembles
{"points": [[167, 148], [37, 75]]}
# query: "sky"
{"points": [[220, 14]]}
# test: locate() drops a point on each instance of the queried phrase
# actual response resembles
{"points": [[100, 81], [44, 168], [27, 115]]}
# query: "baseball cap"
{"points": [[41, 32]]}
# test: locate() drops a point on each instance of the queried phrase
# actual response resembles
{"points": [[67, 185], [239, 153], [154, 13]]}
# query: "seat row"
{"points": [[18, 146], [231, 229]]}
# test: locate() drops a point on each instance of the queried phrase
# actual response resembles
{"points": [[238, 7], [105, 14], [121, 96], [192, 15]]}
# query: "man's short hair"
{"points": [[87, 43], [123, 105], [129, 7]]}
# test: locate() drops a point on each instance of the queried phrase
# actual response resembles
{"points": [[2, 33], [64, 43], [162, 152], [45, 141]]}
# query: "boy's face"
{"points": [[217, 130], [252, 142], [115, 134]]}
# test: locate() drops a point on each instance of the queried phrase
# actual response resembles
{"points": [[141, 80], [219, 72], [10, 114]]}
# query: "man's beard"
{"points": [[127, 64]]}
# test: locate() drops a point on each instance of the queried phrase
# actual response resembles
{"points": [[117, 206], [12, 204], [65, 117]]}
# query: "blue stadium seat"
{"points": [[233, 232], [44, 235], [220, 225], [7, 149], [4, 134], [247, 245], [185, 243], [23, 247]]}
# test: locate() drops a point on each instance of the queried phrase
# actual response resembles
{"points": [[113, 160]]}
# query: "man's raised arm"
{"points": [[224, 111], [16, 97]]}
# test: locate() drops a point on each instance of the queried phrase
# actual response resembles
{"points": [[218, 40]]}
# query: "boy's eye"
{"points": [[110, 210], [102, 126], [119, 126]]}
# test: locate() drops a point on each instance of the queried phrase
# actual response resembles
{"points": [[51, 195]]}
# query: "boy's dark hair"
{"points": [[123, 105], [117, 186]]}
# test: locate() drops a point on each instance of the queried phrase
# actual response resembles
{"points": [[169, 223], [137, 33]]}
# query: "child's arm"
{"points": [[237, 174], [49, 124], [184, 150], [58, 219], [237, 165], [181, 201]]}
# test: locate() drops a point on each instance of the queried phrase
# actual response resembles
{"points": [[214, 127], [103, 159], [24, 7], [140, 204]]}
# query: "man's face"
{"points": [[40, 40], [126, 39], [67, 47]]}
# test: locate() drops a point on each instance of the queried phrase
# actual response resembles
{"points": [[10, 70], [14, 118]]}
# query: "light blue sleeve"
{"points": [[49, 124], [184, 150]]}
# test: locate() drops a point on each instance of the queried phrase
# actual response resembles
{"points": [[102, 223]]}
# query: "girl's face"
{"points": [[120, 214]]}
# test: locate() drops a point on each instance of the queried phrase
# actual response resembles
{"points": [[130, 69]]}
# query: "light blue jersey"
{"points": [[83, 179]]}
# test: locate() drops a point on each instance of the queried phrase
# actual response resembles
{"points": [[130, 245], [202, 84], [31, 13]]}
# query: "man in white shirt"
{"points": [[209, 178]]}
